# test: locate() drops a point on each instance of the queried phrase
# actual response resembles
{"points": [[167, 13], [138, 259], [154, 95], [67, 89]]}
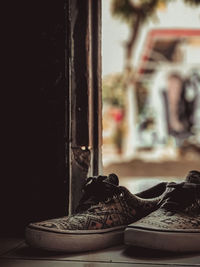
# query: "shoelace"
{"points": [[98, 189], [180, 196]]}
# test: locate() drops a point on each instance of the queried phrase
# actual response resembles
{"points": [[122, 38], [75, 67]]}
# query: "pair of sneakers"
{"points": [[166, 216]]}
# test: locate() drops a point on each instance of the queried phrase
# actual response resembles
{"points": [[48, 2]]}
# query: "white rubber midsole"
{"points": [[168, 241], [95, 231], [70, 242]]}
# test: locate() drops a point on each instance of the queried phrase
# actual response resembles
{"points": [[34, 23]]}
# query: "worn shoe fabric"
{"points": [[104, 211], [175, 226]]}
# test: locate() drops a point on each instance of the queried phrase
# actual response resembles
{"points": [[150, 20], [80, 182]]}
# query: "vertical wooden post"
{"points": [[85, 94], [97, 86]]}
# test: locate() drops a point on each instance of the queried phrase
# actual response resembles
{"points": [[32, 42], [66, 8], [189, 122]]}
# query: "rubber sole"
{"points": [[73, 242], [167, 241]]}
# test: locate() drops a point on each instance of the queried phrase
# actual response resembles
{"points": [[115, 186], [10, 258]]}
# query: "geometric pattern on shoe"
{"points": [[179, 211], [105, 209], [175, 226], [120, 210], [163, 220]]}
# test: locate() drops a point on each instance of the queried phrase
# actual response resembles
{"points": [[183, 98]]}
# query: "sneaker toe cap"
{"points": [[161, 220]]}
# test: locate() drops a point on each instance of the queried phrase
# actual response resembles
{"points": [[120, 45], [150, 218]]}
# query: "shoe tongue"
{"points": [[112, 179], [193, 177]]}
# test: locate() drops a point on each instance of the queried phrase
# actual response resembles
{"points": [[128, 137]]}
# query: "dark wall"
{"points": [[34, 184]]}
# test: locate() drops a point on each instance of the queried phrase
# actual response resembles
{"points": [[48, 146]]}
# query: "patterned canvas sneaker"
{"points": [[105, 210], [175, 226]]}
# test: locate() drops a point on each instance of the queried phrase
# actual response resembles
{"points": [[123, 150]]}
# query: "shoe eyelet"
{"points": [[121, 194], [107, 200]]}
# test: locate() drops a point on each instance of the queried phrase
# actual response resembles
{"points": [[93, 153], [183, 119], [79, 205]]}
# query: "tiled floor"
{"points": [[15, 253]]}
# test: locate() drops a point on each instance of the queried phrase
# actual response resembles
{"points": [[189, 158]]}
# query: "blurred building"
{"points": [[171, 44]]}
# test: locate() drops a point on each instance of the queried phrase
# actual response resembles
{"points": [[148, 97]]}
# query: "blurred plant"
{"points": [[113, 90], [118, 138], [135, 13]]}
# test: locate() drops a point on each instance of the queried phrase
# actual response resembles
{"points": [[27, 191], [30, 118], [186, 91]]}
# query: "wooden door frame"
{"points": [[85, 99]]}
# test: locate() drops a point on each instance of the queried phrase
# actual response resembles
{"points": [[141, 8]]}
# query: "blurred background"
{"points": [[151, 88]]}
